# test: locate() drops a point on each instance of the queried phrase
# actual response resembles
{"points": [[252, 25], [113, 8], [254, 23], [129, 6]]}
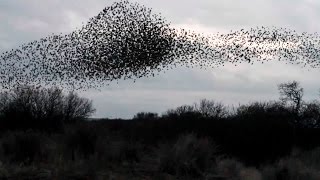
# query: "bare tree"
{"points": [[40, 103], [76, 108], [291, 93], [181, 110], [47, 108], [209, 108]]}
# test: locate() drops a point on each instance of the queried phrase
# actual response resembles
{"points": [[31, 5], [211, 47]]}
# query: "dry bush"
{"points": [[310, 115], [206, 108], [230, 168], [234, 170], [146, 116], [299, 165], [76, 108], [292, 168], [250, 174], [24, 147], [211, 109], [3, 171], [179, 111], [41, 108], [311, 158], [188, 156], [118, 151], [81, 142]]}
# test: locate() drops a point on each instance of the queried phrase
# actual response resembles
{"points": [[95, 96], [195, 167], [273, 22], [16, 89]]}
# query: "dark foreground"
{"points": [[187, 147], [45, 134]]}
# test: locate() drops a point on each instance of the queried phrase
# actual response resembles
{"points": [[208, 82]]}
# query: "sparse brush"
{"points": [[188, 156], [81, 142], [25, 147]]}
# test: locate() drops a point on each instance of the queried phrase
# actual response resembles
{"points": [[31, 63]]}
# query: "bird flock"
{"points": [[128, 41]]}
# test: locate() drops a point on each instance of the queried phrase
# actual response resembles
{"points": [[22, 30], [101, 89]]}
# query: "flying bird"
{"points": [[128, 41]]}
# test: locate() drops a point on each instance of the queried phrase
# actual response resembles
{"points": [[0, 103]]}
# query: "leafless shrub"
{"points": [[76, 108], [179, 111], [189, 156], [81, 143], [310, 115], [145, 116], [24, 147], [211, 109], [229, 167], [29, 107]]}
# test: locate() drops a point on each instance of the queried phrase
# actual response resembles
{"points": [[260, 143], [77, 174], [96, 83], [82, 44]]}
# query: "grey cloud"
{"points": [[230, 14], [230, 85], [23, 21]]}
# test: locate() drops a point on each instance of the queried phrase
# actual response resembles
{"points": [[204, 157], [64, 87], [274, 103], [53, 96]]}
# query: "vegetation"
{"points": [[45, 134], [27, 107]]}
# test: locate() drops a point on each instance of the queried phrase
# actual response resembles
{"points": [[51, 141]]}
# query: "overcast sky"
{"points": [[22, 21]]}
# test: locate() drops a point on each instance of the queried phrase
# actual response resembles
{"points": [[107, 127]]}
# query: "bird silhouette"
{"points": [[128, 41]]}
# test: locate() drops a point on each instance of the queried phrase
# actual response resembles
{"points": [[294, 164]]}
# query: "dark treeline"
{"points": [[46, 110], [48, 130], [258, 132]]}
